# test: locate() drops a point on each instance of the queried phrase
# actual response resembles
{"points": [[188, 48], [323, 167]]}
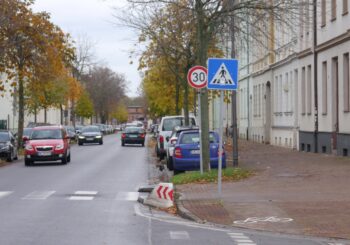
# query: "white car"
{"points": [[166, 126]]}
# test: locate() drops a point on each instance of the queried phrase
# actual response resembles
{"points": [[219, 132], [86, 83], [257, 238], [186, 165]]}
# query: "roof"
{"points": [[48, 127]]}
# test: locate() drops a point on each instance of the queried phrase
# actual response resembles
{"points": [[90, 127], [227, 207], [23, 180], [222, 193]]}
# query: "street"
{"points": [[92, 200]]}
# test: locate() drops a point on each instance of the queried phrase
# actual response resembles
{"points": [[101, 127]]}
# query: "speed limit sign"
{"points": [[197, 77]]}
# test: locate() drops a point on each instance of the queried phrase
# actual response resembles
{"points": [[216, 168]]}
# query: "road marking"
{"points": [[83, 196], [86, 193], [254, 220], [127, 196], [4, 193], [240, 239], [179, 235], [38, 195]]}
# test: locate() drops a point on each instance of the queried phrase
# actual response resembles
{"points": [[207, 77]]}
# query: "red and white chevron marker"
{"points": [[162, 196], [167, 193]]}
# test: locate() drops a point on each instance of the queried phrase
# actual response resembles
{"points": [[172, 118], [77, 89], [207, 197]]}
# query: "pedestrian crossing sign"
{"points": [[222, 74]]}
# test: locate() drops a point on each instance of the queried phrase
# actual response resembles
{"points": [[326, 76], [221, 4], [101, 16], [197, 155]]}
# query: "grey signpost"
{"points": [[222, 75], [197, 78]]}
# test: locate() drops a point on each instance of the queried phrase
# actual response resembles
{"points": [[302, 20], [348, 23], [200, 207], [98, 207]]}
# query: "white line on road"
{"points": [[5, 193], [81, 198], [38, 195], [127, 196], [179, 235], [86, 193]]}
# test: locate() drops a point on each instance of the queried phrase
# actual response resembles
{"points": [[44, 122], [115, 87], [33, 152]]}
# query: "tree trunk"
{"points": [[20, 108], [61, 110], [35, 115], [45, 115], [177, 98], [202, 40]]}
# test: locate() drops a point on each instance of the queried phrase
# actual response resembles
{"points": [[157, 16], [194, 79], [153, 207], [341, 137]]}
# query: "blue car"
{"points": [[186, 155]]}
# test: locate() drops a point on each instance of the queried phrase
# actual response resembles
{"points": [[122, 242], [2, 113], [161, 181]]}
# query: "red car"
{"points": [[47, 143]]}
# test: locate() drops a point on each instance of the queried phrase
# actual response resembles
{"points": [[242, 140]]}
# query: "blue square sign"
{"points": [[222, 74]]}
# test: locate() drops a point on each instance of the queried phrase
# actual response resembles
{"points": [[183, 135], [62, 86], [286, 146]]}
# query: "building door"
{"points": [[335, 102], [267, 112]]}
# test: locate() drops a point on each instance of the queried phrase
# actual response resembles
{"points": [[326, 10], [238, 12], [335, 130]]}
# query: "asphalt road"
{"points": [[92, 200]]}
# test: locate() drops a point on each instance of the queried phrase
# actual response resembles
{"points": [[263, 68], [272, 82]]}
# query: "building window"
{"points": [[296, 92], [275, 94], [291, 92], [303, 91], [323, 12], [345, 7], [334, 9], [346, 82], [324, 88], [287, 93], [280, 95], [309, 94]]}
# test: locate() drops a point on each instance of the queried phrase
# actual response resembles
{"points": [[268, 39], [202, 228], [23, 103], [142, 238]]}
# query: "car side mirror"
{"points": [[167, 138], [25, 138]]}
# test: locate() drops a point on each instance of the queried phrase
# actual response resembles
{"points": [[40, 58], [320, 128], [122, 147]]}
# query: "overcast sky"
{"points": [[92, 18]]}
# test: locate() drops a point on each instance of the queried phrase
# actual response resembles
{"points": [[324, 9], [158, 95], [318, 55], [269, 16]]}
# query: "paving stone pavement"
{"points": [[290, 192]]}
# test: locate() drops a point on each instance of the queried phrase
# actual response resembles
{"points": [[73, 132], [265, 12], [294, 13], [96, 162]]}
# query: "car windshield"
{"points": [[193, 137], [4, 136], [46, 134], [170, 123], [133, 130], [91, 129], [27, 132]]}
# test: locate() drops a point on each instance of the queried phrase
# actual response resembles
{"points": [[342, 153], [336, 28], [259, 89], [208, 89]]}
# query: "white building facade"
{"points": [[294, 88]]}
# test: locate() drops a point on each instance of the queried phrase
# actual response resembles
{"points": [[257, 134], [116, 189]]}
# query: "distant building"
{"points": [[136, 113]]}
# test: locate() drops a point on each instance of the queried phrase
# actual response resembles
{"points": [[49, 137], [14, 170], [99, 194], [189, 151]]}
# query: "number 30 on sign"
{"points": [[197, 77]]}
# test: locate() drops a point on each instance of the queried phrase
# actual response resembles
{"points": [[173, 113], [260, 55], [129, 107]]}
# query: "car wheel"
{"points": [[157, 151], [80, 143], [177, 172], [10, 157], [27, 162], [169, 163], [64, 159], [101, 142], [123, 144], [143, 144], [68, 158]]}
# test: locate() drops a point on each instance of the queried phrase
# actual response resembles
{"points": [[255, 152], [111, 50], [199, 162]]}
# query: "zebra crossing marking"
{"points": [[83, 196], [127, 196], [179, 235], [4, 193], [38, 195]]}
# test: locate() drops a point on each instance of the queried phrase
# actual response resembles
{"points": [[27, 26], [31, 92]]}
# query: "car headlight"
{"points": [[98, 136], [5, 147], [59, 147], [29, 147], [81, 137]]}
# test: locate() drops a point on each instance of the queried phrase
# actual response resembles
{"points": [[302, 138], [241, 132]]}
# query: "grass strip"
{"points": [[228, 174]]}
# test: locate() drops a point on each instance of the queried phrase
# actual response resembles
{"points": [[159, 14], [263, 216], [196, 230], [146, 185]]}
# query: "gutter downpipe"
{"points": [[315, 72]]}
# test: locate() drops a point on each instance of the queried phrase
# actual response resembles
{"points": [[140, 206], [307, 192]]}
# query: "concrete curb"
{"points": [[183, 212]]}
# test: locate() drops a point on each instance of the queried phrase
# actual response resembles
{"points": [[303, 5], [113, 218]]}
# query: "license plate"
{"points": [[195, 152], [89, 139], [133, 136], [44, 153]]}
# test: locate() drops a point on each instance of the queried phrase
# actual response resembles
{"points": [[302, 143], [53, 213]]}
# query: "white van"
{"points": [[164, 130]]}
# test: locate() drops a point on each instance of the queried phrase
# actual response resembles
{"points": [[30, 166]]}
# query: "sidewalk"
{"points": [[311, 189]]}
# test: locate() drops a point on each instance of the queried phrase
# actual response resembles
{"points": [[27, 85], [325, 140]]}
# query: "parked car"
{"points": [[133, 135], [165, 128], [71, 132], [90, 134], [186, 155], [172, 141], [47, 143], [78, 129], [8, 146], [27, 132]]}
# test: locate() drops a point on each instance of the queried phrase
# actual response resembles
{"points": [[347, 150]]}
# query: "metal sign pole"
{"points": [[220, 151], [200, 131]]}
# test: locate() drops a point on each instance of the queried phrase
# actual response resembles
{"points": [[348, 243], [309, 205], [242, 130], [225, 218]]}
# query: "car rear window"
{"points": [[133, 130], [170, 123], [47, 134], [193, 137]]}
